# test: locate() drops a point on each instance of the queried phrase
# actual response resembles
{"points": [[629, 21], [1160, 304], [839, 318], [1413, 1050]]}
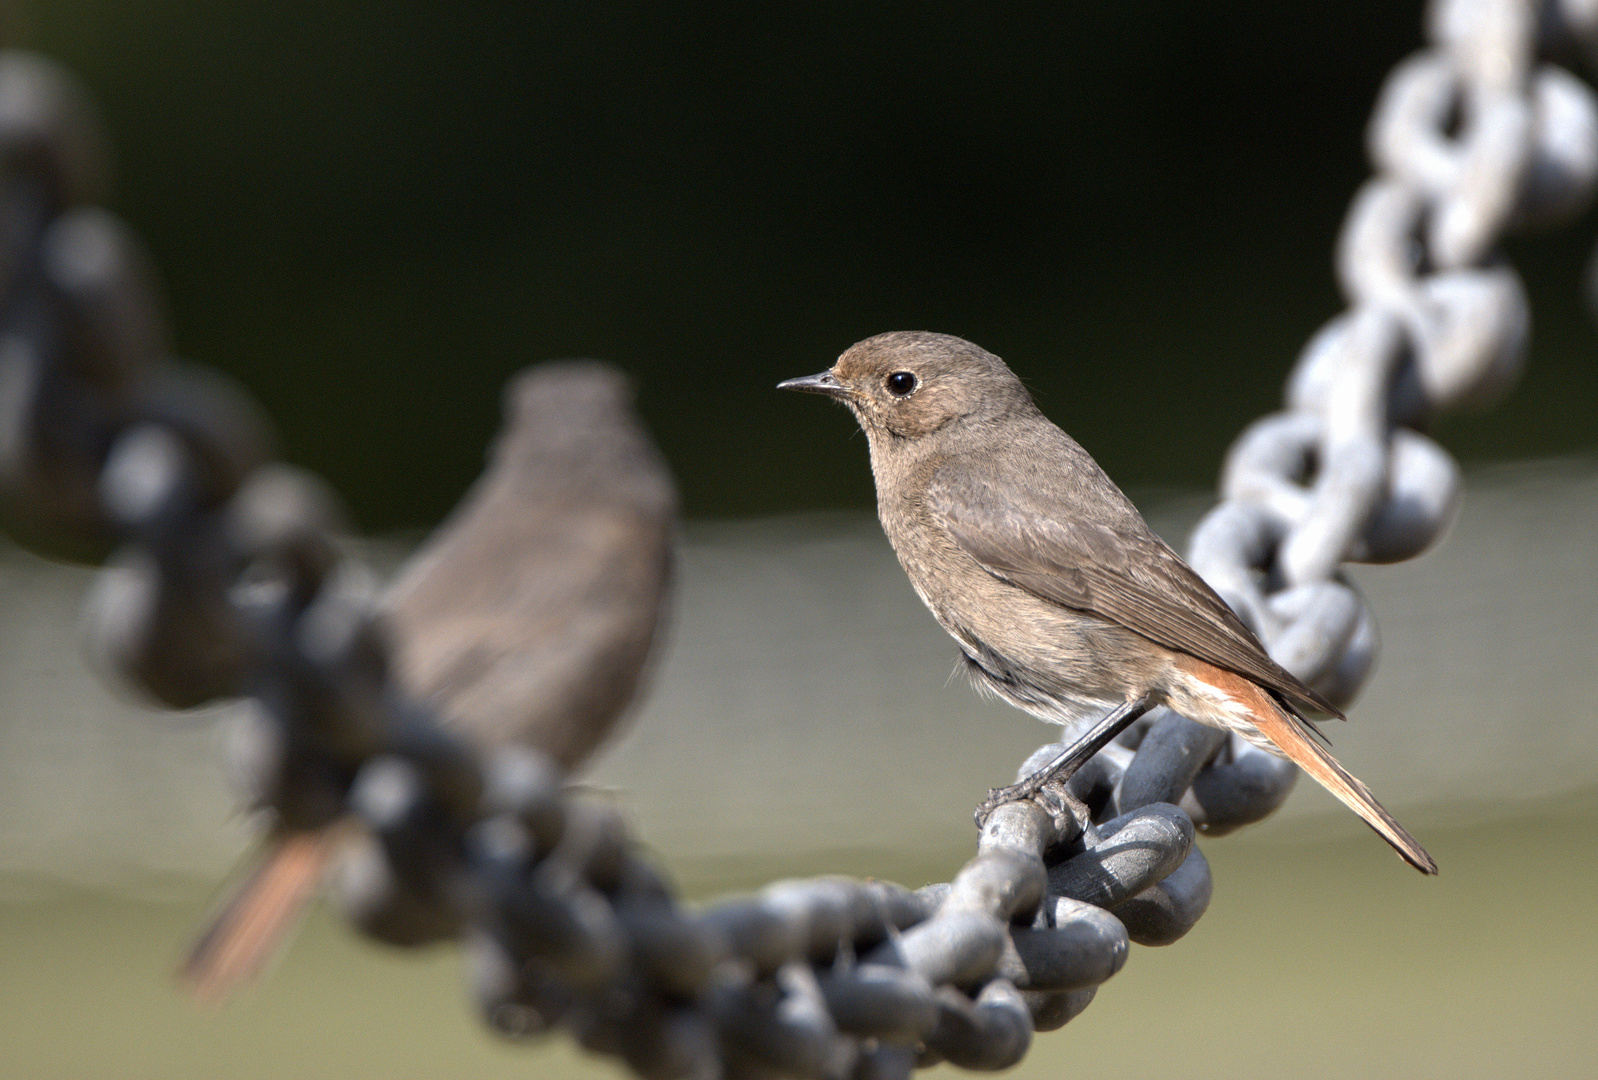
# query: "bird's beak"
{"points": [[824, 383]]}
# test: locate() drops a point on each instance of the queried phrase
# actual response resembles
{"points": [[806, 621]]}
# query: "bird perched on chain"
{"points": [[528, 618], [1062, 599]]}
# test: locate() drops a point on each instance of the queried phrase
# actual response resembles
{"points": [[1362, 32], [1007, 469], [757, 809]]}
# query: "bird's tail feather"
{"points": [[257, 920], [1292, 737]]}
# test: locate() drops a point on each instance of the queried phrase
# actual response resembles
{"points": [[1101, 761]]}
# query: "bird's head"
{"points": [[909, 384]]}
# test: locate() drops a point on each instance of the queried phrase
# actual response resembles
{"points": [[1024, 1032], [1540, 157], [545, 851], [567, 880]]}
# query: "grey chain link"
{"points": [[1471, 137], [230, 581]]}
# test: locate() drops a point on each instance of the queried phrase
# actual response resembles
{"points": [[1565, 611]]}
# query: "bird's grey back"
{"points": [[530, 614]]}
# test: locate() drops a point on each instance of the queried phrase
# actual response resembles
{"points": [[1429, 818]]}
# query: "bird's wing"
{"points": [[1114, 569]]}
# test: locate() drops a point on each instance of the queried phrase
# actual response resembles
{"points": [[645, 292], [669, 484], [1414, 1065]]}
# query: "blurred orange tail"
{"points": [[1293, 737], [257, 919]]}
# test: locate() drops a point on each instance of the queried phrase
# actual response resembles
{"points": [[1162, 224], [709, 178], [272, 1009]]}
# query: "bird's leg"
{"points": [[1063, 767]]}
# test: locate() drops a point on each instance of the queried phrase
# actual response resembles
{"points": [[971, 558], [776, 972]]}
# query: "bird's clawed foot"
{"points": [[1070, 814], [1053, 776]]}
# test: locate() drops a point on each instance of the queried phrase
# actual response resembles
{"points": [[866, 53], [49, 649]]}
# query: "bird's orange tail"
{"points": [[1293, 737], [257, 919]]}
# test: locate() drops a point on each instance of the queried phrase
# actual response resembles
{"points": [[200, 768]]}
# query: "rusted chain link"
{"points": [[229, 581]]}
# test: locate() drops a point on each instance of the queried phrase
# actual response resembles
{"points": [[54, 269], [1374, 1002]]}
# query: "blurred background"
{"points": [[371, 214]]}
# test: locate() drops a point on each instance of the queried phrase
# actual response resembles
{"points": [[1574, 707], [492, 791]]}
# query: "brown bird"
{"points": [[528, 618], [1062, 599]]}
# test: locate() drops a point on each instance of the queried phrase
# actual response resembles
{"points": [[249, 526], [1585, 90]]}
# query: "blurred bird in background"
{"points": [[529, 617]]}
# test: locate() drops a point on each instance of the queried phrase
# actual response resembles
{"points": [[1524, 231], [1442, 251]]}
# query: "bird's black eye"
{"points": [[901, 383]]}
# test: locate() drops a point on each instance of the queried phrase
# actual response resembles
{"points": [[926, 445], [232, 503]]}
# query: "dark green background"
{"points": [[371, 213]]}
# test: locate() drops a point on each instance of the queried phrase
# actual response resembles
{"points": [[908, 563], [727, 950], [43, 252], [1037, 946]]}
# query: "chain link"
{"points": [[1471, 137], [229, 580]]}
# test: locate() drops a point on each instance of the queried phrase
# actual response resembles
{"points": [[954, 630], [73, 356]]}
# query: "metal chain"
{"points": [[230, 581], [1471, 138]]}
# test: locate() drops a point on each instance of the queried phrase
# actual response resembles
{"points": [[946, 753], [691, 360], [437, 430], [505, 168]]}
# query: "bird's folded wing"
{"points": [[1114, 569]]}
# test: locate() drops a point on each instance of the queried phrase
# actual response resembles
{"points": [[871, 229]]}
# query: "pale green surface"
{"points": [[801, 723]]}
